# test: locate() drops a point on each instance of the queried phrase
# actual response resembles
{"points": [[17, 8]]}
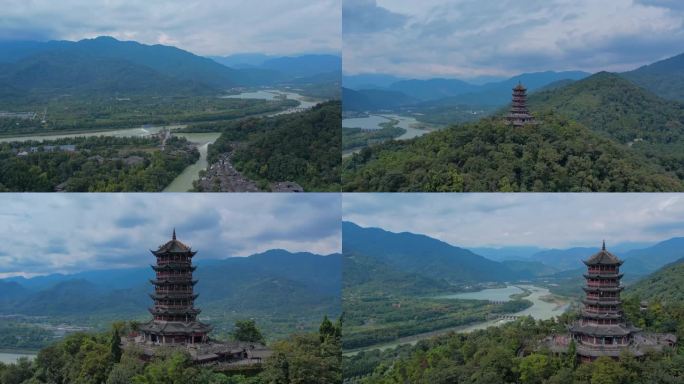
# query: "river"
{"points": [[183, 182], [540, 309], [373, 122], [12, 357]]}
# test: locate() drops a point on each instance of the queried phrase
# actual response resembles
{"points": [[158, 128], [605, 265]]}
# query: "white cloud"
{"points": [[469, 38], [545, 220], [205, 27], [42, 233]]}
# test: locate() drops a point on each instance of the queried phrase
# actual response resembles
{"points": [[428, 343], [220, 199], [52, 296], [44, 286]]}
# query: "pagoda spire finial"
{"points": [[174, 233], [604, 245]]}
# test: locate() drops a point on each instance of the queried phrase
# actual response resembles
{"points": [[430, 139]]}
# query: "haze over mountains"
{"points": [[108, 66], [273, 282], [370, 92], [420, 262]]}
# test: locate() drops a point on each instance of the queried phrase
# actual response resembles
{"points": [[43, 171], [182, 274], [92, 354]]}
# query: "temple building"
{"points": [[174, 314], [519, 114], [175, 322], [602, 329]]}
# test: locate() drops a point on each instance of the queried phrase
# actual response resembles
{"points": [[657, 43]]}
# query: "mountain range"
{"points": [[664, 78], [276, 284], [407, 261], [361, 96], [108, 66]]}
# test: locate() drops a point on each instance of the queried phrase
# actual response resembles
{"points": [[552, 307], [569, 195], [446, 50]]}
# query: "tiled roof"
{"points": [[603, 257]]}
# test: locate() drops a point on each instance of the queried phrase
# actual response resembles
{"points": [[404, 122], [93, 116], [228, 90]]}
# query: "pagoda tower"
{"points": [[174, 314], [602, 329], [519, 114]]}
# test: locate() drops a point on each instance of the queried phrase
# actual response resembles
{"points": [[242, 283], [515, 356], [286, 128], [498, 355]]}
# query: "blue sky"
{"points": [[205, 27], [551, 220], [46, 233], [473, 38]]}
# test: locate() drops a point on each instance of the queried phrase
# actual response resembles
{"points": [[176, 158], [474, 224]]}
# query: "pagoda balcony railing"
{"points": [[174, 294], [179, 306], [172, 280], [173, 291], [174, 277], [177, 260], [602, 312], [603, 285], [602, 275], [602, 298]]}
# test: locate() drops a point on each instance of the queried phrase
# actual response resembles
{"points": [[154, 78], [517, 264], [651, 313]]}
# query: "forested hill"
{"points": [[108, 66], [609, 104], [421, 255], [614, 107], [666, 285], [665, 78], [556, 155], [105, 66], [302, 147]]}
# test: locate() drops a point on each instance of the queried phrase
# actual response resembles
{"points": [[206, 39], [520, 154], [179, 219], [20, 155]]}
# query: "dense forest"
{"points": [[84, 358], [556, 155], [615, 108], [303, 147], [93, 164]]}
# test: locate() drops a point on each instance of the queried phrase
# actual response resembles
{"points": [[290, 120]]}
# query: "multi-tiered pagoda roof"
{"points": [[175, 320], [602, 329], [174, 313], [519, 114]]}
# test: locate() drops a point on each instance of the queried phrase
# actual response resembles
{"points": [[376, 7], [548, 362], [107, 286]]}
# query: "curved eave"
{"points": [[608, 289], [169, 282], [160, 252], [612, 316], [601, 276], [168, 311], [172, 297], [174, 267]]}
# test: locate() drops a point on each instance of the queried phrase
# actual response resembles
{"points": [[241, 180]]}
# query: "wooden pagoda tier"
{"points": [[174, 313], [602, 329], [519, 115]]}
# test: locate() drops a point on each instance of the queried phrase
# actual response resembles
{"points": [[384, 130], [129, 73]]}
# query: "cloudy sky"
{"points": [[45, 233], [205, 27], [544, 220], [472, 38]]}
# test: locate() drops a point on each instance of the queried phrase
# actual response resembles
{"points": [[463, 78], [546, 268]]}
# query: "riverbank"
{"points": [[544, 306]]}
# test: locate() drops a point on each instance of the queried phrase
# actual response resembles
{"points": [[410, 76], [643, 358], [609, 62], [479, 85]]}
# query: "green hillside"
{"points": [[556, 155], [303, 147], [616, 108], [666, 285], [664, 78]]}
